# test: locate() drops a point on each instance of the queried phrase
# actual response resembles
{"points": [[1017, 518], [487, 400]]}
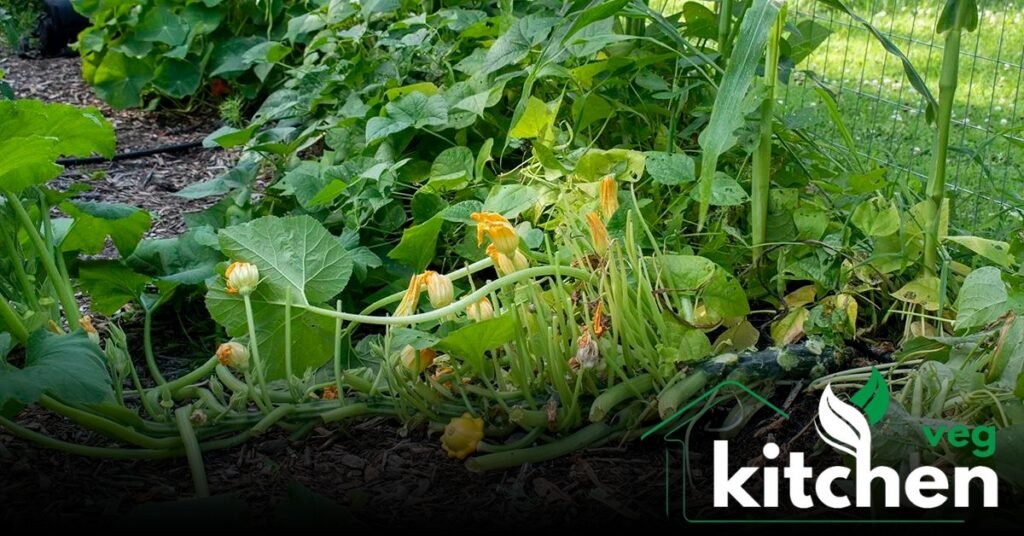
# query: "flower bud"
{"points": [[90, 330], [417, 361], [242, 278], [481, 310], [598, 233], [502, 263], [440, 290], [462, 435], [234, 355], [609, 196], [519, 261]]}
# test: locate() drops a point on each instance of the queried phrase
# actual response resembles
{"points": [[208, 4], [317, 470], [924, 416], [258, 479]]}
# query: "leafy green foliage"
{"points": [[69, 368]]}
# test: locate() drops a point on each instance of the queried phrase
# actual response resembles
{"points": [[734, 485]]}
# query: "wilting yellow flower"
{"points": [[439, 288], [90, 330], [198, 417], [411, 299], [415, 360], [598, 233], [481, 310], [609, 196], [498, 229], [234, 355], [330, 393], [242, 278], [462, 435], [587, 354], [599, 328]]}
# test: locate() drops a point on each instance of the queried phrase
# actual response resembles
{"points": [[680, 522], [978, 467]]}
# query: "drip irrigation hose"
{"points": [[141, 153]]}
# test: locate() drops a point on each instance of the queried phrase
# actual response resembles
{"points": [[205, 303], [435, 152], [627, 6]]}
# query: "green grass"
{"points": [[885, 115]]}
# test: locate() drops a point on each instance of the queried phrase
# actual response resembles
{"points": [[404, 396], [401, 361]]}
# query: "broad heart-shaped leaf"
{"points": [[983, 298], [69, 367], [877, 217], [178, 78], [516, 43], [724, 296], [682, 272], [728, 111], [76, 131], [725, 192], [418, 244], [162, 25], [293, 251], [184, 259], [470, 342], [414, 110], [110, 284], [873, 398], [993, 250], [536, 121], [670, 168], [510, 200], [452, 169], [94, 222], [623, 163], [312, 335], [119, 80], [26, 162]]}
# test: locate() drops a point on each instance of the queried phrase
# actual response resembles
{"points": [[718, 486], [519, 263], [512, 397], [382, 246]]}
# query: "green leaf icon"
{"points": [[873, 398]]}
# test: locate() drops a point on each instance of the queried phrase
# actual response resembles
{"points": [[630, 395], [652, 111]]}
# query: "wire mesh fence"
{"points": [[886, 116]]}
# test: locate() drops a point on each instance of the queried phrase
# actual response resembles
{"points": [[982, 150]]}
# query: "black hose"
{"points": [[174, 148]]}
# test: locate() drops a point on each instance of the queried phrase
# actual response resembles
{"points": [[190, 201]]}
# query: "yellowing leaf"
{"points": [[993, 250], [877, 217], [535, 121], [790, 328], [736, 339], [800, 297], [923, 291], [426, 88]]}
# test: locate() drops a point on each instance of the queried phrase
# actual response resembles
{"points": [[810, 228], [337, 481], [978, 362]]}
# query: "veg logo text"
{"points": [[847, 427]]}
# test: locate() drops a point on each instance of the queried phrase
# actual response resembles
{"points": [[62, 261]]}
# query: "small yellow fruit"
{"points": [[462, 435]]}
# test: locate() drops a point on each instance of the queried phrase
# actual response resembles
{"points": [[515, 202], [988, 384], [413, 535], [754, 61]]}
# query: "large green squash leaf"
{"points": [[294, 251], [67, 367]]}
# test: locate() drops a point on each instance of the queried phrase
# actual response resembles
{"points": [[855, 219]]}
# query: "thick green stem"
{"points": [[254, 350], [29, 292], [514, 458], [12, 321], [614, 396], [46, 256], [147, 348], [760, 181], [107, 427], [724, 25], [936, 188], [454, 307], [192, 451], [683, 390]]}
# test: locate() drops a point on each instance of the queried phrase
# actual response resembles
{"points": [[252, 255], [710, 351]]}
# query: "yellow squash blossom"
{"points": [[598, 233], [462, 435], [417, 361], [481, 310], [411, 299], [498, 229], [242, 278], [609, 196], [507, 264], [439, 288], [234, 355], [330, 393], [90, 330]]}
